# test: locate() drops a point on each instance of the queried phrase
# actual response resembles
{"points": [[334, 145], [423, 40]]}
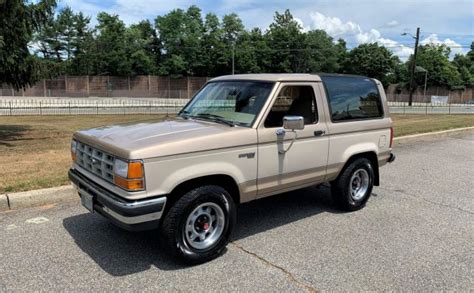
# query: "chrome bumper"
{"points": [[130, 215]]}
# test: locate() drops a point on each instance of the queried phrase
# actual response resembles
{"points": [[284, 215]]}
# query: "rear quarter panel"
{"points": [[350, 138]]}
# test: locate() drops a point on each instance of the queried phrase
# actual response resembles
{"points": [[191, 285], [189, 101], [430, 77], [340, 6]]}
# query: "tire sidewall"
{"points": [[357, 165], [219, 196]]}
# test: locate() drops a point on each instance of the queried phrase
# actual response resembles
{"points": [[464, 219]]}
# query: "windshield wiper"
{"points": [[184, 114], [214, 118]]}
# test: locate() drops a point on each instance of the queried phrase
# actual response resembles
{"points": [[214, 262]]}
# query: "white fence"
{"points": [[12, 107], [115, 106]]}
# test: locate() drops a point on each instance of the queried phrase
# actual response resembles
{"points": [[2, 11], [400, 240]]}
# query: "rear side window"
{"points": [[352, 98]]}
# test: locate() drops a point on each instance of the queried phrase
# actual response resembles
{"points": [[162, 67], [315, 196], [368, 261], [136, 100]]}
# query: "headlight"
{"points": [[73, 150], [129, 175], [121, 168]]}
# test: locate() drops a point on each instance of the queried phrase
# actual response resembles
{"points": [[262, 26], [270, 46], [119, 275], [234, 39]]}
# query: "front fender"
{"points": [[163, 175]]}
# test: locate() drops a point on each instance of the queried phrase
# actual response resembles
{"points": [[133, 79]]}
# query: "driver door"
{"points": [[305, 162]]}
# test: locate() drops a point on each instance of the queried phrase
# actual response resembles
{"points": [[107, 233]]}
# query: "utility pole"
{"points": [[413, 66], [233, 57]]}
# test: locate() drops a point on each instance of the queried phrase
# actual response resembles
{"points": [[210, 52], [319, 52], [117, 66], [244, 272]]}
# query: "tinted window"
{"points": [[352, 98], [293, 101]]}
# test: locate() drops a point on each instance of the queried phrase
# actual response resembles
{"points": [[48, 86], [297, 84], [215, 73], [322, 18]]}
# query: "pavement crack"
{"points": [[288, 274], [428, 201]]}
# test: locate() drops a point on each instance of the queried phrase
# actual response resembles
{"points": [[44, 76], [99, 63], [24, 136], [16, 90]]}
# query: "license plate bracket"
{"points": [[87, 200]]}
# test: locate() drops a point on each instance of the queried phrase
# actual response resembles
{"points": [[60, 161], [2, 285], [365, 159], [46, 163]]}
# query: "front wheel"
{"points": [[353, 187], [199, 225]]}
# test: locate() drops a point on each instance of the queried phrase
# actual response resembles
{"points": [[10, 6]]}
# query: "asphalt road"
{"points": [[416, 233]]}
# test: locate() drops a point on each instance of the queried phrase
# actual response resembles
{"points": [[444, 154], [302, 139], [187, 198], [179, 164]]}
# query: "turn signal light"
{"points": [[135, 170], [73, 150], [129, 184]]}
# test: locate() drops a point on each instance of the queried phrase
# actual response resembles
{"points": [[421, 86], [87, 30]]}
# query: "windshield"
{"points": [[229, 102]]}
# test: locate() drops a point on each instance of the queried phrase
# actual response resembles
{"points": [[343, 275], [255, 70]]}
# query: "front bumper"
{"points": [[131, 215]]}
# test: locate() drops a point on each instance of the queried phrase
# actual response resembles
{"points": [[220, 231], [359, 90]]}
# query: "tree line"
{"points": [[188, 43]]}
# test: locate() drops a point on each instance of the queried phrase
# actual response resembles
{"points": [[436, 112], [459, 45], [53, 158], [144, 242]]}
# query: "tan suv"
{"points": [[241, 138]]}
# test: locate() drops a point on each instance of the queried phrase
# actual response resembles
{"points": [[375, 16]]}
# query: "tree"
{"points": [[61, 40], [435, 59], [341, 52], [371, 60], [180, 35], [214, 55], [19, 19], [232, 29], [322, 54], [111, 54], [465, 66], [142, 48], [252, 53], [83, 47], [285, 38]]}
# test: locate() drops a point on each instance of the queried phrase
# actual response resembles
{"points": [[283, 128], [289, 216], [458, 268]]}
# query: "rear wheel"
{"points": [[199, 225], [353, 187]]}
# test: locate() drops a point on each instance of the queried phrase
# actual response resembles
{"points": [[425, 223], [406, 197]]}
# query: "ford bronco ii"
{"points": [[241, 138]]}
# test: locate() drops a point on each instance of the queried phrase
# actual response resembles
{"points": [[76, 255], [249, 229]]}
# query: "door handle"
{"points": [[319, 133]]}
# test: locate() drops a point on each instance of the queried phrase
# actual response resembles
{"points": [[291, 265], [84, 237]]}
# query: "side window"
{"points": [[293, 101], [352, 98]]}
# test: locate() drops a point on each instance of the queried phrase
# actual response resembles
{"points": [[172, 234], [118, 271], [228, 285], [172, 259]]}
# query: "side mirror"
{"points": [[290, 123], [293, 122]]}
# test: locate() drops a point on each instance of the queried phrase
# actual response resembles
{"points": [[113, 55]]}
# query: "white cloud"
{"points": [[301, 23], [355, 35], [392, 23], [402, 51], [334, 25], [455, 47]]}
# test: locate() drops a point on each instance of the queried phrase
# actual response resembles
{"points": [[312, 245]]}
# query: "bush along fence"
{"points": [[87, 106]]}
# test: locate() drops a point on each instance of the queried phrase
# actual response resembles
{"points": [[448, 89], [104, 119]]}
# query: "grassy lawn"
{"points": [[34, 150], [413, 123]]}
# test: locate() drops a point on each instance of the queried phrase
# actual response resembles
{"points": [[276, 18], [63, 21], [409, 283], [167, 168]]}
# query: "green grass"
{"points": [[34, 150], [413, 124]]}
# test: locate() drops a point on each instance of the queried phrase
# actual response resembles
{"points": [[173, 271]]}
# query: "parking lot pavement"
{"points": [[416, 233]]}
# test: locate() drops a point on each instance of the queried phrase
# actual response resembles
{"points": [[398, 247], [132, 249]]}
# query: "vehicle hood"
{"points": [[156, 139]]}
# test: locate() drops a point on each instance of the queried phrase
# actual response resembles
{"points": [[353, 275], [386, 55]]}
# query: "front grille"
{"points": [[95, 161]]}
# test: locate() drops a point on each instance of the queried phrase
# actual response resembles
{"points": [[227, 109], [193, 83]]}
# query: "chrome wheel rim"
{"points": [[359, 184], [204, 226]]}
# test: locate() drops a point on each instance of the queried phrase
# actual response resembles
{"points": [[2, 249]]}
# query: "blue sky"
{"points": [[441, 21]]}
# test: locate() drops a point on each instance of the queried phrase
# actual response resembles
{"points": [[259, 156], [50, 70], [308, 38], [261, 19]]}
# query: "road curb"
{"points": [[430, 135], [4, 202], [46, 196], [12, 201]]}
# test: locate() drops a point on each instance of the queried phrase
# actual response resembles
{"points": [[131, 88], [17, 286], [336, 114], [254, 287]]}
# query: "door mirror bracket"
{"points": [[290, 124]]}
